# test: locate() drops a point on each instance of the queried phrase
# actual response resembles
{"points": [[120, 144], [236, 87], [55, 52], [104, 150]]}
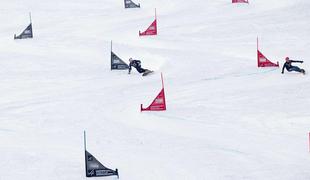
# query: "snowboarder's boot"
{"points": [[147, 72]]}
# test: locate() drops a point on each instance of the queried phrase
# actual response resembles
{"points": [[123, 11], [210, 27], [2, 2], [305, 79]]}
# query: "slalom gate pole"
{"points": [[111, 55], [309, 140], [30, 17], [85, 158]]}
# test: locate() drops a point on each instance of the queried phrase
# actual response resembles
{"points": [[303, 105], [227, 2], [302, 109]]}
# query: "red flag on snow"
{"points": [[240, 1], [159, 103], [151, 30], [262, 61]]}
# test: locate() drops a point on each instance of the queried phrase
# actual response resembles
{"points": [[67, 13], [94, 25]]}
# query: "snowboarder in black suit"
{"points": [[137, 64], [289, 67]]}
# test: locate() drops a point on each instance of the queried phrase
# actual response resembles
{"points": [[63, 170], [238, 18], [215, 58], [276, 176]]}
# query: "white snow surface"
{"points": [[226, 119]]}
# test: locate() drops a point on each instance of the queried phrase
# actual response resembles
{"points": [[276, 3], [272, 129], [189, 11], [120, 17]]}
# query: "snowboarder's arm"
{"points": [[297, 61], [283, 68], [129, 69]]}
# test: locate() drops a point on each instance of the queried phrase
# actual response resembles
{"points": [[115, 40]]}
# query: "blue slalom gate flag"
{"points": [[27, 33], [95, 169]]}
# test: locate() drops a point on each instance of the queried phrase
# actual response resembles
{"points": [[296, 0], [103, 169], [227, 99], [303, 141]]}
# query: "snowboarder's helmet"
{"points": [[130, 59], [287, 58]]}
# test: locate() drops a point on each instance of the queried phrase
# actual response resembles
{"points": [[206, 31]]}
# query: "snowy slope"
{"points": [[225, 118]]}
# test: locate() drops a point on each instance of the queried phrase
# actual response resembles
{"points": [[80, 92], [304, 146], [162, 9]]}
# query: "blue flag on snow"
{"points": [[27, 33], [95, 169], [130, 4], [117, 63]]}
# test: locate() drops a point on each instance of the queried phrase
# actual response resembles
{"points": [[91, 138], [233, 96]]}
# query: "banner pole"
{"points": [[309, 141], [257, 51], [85, 153], [111, 55], [111, 45], [30, 17], [257, 42], [162, 80], [84, 140], [164, 97]]}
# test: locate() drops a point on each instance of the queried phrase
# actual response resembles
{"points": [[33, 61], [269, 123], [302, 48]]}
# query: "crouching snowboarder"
{"points": [[137, 64], [289, 67]]}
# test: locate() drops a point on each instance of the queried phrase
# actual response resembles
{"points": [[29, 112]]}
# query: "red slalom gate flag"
{"points": [[240, 1], [262, 61], [151, 30], [159, 103]]}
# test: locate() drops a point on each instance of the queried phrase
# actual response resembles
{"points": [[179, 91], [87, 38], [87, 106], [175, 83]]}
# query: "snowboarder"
{"points": [[289, 67], [137, 64]]}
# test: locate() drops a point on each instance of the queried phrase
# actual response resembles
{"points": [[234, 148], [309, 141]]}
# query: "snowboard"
{"points": [[148, 72]]}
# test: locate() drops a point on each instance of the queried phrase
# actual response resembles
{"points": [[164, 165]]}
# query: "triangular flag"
{"points": [[93, 167], [116, 62], [262, 61], [130, 4], [159, 103], [151, 30], [27, 33]]}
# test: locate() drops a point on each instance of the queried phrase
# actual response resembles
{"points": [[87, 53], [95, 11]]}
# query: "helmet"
{"points": [[130, 59], [287, 58]]}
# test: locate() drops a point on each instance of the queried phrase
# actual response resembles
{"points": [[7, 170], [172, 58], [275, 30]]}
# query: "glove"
{"points": [[128, 72], [282, 72], [302, 61]]}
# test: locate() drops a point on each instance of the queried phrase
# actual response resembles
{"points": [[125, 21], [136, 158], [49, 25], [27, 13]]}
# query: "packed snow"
{"points": [[226, 119]]}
